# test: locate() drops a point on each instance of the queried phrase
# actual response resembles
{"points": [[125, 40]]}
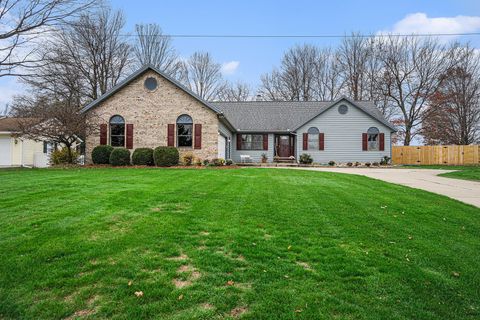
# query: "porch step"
{"points": [[284, 160]]}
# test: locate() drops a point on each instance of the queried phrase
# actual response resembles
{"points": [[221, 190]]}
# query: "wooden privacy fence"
{"points": [[427, 155]]}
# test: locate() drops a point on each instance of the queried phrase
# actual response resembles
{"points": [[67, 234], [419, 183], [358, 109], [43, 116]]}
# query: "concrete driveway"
{"points": [[426, 179]]}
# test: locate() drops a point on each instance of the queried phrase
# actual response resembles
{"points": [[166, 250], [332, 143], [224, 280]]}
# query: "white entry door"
{"points": [[5, 151], [222, 145]]}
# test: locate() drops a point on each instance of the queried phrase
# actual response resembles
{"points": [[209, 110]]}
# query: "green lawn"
{"points": [[245, 243], [462, 172]]}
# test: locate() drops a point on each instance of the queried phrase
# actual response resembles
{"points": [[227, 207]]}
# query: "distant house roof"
{"points": [[13, 124], [284, 116], [139, 72]]}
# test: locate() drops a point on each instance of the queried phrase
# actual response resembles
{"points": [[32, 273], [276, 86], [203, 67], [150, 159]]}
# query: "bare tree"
{"points": [[23, 22], [235, 92], [296, 78], [154, 48], [41, 118], [453, 115], [328, 81], [412, 69], [94, 48], [202, 75], [354, 53]]}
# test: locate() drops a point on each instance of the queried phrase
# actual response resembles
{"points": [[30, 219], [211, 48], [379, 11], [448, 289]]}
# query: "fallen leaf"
{"points": [[298, 310], [286, 276], [230, 283], [139, 294], [180, 297], [410, 237], [455, 274], [130, 283], [289, 247]]}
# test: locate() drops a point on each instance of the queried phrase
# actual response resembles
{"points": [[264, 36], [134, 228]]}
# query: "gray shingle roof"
{"points": [[283, 116]]}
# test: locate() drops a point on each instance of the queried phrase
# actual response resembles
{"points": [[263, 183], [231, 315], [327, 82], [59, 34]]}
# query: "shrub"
{"points": [[143, 157], [368, 164], [349, 164], [188, 159], [120, 157], [101, 154], [385, 161], [357, 164], [206, 162], [228, 162], [218, 162], [198, 162], [331, 163], [375, 164], [61, 156], [165, 156], [305, 158]]}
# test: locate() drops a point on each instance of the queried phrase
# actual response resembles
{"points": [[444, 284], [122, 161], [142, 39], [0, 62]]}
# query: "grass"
{"points": [[241, 243], [461, 172]]}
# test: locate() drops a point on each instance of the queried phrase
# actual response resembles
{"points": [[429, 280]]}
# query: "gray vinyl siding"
{"points": [[256, 155], [223, 130], [343, 136]]}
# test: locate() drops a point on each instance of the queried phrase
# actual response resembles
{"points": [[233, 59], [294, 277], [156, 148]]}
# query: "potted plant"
{"points": [[264, 158]]}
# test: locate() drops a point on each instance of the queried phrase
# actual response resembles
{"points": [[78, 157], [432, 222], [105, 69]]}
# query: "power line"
{"points": [[273, 36]]}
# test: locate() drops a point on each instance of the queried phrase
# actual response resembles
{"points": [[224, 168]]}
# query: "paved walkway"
{"points": [[426, 179]]}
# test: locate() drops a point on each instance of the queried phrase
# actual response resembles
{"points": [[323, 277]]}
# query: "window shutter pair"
{"points": [[381, 144], [129, 135], [197, 142], [321, 141]]}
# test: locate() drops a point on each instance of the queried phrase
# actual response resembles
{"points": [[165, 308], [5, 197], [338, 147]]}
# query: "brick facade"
{"points": [[150, 112]]}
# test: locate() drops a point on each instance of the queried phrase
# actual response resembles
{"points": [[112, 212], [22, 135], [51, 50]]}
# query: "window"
{"points": [[117, 131], [372, 138], [150, 83], [343, 109], [184, 131], [313, 135], [252, 142]]}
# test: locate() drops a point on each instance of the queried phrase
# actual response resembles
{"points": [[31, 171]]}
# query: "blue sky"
{"points": [[247, 59]]}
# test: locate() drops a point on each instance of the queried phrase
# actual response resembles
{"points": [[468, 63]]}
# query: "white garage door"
{"points": [[5, 156], [222, 143]]}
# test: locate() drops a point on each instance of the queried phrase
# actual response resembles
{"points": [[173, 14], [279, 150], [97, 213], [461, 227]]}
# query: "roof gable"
{"points": [[134, 76], [365, 106]]}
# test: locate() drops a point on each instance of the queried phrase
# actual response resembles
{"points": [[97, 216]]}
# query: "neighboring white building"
{"points": [[17, 151]]}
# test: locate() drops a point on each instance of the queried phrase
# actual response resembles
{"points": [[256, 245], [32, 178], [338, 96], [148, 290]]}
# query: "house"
{"points": [[19, 151], [150, 109]]}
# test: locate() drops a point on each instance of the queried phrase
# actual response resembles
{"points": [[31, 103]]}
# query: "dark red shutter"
{"points": [[305, 141], [265, 142], [171, 135], [239, 141], [129, 144], [382, 141], [103, 133], [364, 142], [321, 141], [198, 136]]}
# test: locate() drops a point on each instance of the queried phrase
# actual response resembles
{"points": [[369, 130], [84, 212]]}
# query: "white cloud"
{"points": [[420, 23], [229, 68]]}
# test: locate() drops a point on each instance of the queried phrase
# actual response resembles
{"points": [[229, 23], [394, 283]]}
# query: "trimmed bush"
{"points": [[305, 158], [165, 156], [349, 164], [120, 157], [228, 162], [101, 154], [142, 157], [368, 164], [206, 162], [218, 162], [331, 163]]}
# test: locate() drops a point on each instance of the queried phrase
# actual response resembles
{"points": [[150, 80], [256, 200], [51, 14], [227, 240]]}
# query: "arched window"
{"points": [[373, 138], [117, 131], [313, 136], [184, 131]]}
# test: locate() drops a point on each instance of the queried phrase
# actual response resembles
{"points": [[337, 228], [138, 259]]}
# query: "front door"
{"points": [[283, 146]]}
